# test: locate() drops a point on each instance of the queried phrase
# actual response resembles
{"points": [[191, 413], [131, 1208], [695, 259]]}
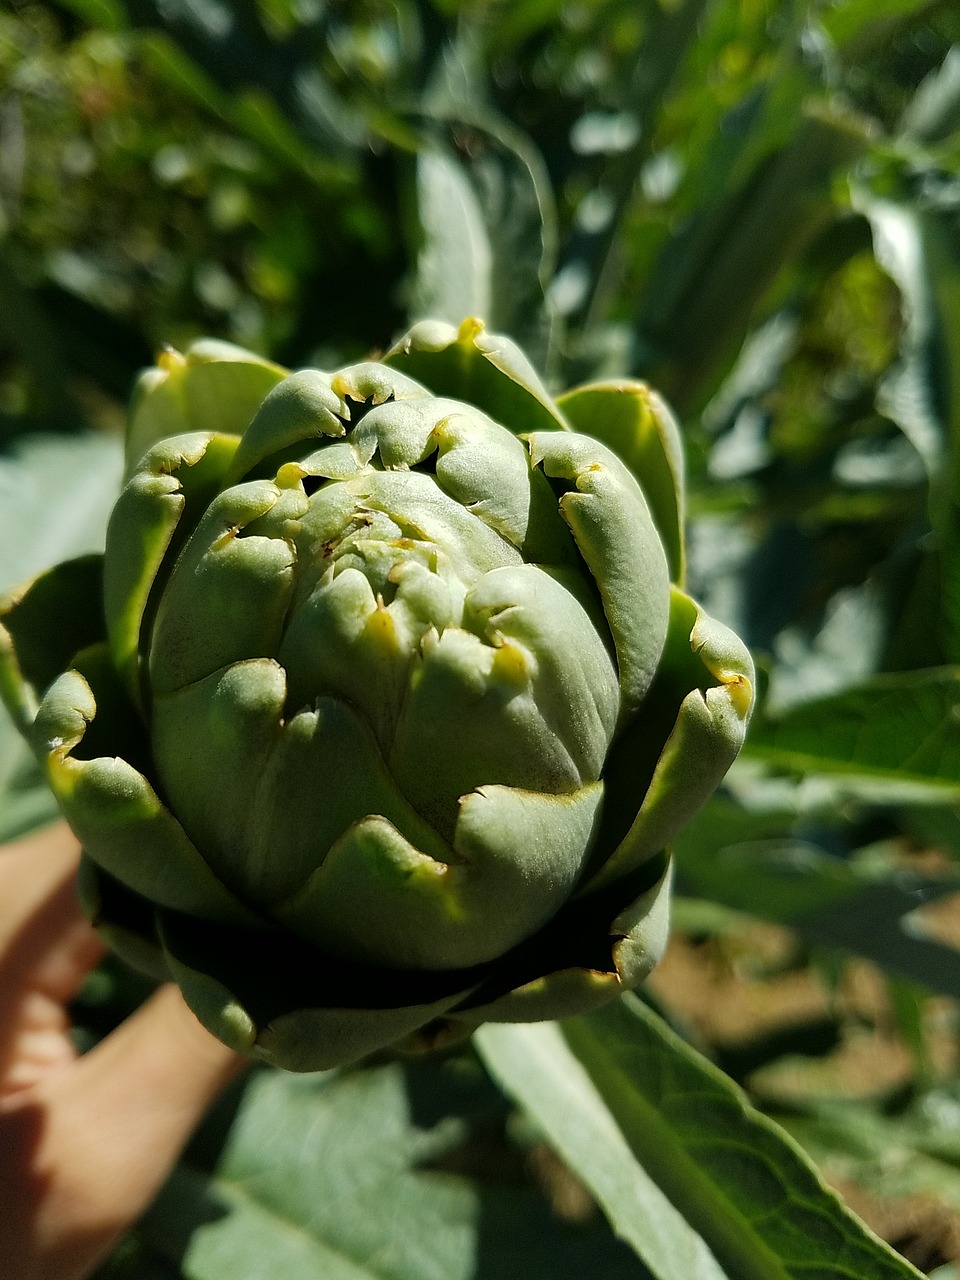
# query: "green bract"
{"points": [[395, 709]]}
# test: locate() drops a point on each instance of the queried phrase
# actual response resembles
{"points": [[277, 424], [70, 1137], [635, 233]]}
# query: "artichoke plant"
{"points": [[378, 715]]}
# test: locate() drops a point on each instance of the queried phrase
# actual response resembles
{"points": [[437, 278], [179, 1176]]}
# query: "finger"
{"points": [[91, 1146], [46, 947], [33, 870], [38, 1043]]}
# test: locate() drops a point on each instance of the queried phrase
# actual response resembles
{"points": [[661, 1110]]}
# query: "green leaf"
{"points": [[256, 114], [671, 32], [487, 229], [748, 860], [855, 905], [891, 737], [709, 279], [170, 63], [455, 259], [109, 15], [539, 1070], [915, 394], [362, 1176], [523, 17], [917, 247], [934, 110], [857, 24], [56, 493], [207, 79], [26, 802], [909, 1154], [55, 496], [221, 55], [746, 1204]]}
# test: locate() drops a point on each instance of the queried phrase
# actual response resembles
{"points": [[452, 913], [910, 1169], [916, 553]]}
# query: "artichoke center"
{"points": [[385, 561]]}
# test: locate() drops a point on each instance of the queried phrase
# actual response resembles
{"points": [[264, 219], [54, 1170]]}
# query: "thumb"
{"points": [[86, 1150]]}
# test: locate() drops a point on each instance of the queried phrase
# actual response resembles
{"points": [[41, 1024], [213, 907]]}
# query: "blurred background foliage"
{"points": [[753, 203]]}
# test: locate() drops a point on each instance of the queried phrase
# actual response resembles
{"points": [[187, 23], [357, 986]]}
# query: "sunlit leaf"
{"points": [[487, 231], [912, 1153], [746, 1203], [26, 801], [55, 496], [455, 260], [891, 734]]}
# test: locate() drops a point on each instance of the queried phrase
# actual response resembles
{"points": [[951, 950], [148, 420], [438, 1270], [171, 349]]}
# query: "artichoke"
{"points": [[377, 716]]}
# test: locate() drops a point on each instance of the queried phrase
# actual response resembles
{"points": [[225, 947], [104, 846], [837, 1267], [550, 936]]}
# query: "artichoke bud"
{"points": [[377, 642]]}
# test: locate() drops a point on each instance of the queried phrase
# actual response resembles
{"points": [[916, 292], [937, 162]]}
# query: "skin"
{"points": [[85, 1142]]}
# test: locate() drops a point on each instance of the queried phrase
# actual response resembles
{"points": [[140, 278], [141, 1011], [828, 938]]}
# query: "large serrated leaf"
{"points": [[736, 1183], [537, 1067], [364, 1176], [914, 1152]]}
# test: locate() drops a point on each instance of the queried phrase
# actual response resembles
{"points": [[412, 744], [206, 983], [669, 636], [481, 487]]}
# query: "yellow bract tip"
{"points": [[470, 328], [741, 694], [510, 664], [289, 475], [170, 360], [380, 629]]}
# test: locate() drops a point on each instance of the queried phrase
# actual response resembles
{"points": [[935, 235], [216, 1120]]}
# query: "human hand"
{"points": [[85, 1142]]}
